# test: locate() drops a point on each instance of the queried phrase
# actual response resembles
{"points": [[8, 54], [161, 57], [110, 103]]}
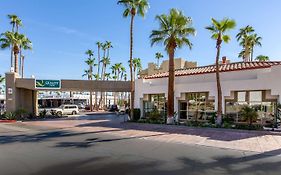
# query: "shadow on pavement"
{"points": [[209, 133], [182, 165]]}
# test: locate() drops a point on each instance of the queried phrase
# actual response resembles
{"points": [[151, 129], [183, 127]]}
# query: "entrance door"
{"points": [[183, 110]]}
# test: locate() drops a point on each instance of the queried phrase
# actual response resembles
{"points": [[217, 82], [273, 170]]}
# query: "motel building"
{"points": [[257, 84]]}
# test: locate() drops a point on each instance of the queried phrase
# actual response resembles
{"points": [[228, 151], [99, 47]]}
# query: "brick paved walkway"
{"points": [[255, 141]]}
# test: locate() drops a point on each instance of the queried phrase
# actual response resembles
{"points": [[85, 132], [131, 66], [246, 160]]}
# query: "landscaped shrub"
{"points": [[154, 115], [249, 114], [43, 113], [137, 114], [21, 114], [9, 116]]}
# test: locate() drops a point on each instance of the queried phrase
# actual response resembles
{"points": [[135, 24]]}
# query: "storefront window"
{"points": [[196, 107], [265, 108], [156, 102]]}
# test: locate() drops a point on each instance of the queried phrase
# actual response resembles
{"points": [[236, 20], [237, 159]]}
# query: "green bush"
{"points": [[154, 116], [43, 113], [9, 116], [21, 114], [249, 114], [137, 114]]}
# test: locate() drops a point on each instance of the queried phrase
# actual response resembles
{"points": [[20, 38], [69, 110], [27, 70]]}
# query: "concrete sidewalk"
{"points": [[256, 141]]}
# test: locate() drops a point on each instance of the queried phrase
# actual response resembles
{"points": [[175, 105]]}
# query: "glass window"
{"points": [[265, 108], [155, 102], [256, 96], [197, 107], [241, 96]]}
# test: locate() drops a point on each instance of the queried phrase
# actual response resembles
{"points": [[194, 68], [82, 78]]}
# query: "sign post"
{"points": [[47, 84]]}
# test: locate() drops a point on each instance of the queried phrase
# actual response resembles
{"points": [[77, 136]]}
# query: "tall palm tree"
{"points": [[99, 44], [255, 40], [16, 23], [133, 8], [26, 44], [107, 77], [91, 63], [261, 58], [116, 70], [158, 56], [87, 73], [136, 67], [105, 62], [12, 39], [173, 32], [123, 72], [218, 30], [243, 38], [108, 45]]}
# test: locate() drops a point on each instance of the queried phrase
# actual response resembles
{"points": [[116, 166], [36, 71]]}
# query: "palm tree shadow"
{"points": [[90, 142]]}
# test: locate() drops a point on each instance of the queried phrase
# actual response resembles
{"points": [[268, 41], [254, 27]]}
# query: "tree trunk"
{"points": [[219, 91], [171, 86], [252, 53], [98, 61], [12, 58], [131, 68], [91, 101], [22, 67], [16, 59]]}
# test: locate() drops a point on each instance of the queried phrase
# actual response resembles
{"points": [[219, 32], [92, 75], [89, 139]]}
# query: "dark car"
{"points": [[113, 108]]}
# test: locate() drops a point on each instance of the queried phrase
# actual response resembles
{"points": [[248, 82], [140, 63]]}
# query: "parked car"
{"points": [[122, 110], [66, 110], [81, 106], [113, 108]]}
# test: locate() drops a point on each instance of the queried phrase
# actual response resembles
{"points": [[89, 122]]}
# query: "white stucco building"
{"points": [[257, 84]]}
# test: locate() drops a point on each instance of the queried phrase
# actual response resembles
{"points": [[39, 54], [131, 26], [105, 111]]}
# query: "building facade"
{"points": [[164, 67], [256, 84]]}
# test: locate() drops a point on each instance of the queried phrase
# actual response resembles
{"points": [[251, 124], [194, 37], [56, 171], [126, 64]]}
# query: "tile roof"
{"points": [[237, 66]]}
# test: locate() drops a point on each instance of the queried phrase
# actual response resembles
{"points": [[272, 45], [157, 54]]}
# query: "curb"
{"points": [[8, 121]]}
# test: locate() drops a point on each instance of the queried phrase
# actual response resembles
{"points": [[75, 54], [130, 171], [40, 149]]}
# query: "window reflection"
{"points": [[196, 107], [156, 102], [265, 108]]}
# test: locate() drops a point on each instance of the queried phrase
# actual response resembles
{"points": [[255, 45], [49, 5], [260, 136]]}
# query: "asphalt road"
{"points": [[35, 151]]}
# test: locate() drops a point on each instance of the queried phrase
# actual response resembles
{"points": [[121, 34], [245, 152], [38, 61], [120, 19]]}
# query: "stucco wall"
{"points": [[256, 79]]}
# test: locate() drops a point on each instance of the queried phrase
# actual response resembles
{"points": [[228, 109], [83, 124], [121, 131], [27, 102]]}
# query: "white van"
{"points": [[66, 110]]}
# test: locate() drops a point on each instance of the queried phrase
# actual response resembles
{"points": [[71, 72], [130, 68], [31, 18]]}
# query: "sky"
{"points": [[62, 30]]}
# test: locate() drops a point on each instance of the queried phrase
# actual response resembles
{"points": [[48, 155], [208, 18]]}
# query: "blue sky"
{"points": [[62, 30]]}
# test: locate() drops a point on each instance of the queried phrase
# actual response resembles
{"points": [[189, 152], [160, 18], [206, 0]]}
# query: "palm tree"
{"points": [[123, 72], [2, 79], [242, 36], [99, 44], [26, 44], [133, 8], [158, 56], [255, 40], [105, 62], [108, 47], [173, 33], [87, 73], [16, 23], [91, 63], [12, 39], [261, 58], [107, 77], [136, 67], [218, 30]]}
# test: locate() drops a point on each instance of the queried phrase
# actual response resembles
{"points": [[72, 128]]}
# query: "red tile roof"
{"points": [[238, 66]]}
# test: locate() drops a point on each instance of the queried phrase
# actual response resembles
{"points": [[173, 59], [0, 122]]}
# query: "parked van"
{"points": [[66, 110]]}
